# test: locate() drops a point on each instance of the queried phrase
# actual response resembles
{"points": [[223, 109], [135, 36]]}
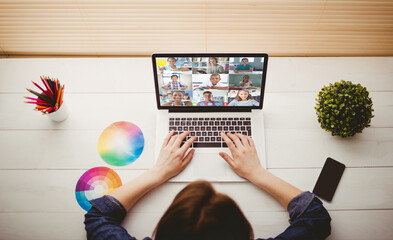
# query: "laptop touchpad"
{"points": [[209, 164]]}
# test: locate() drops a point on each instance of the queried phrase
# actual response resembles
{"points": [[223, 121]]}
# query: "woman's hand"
{"points": [[171, 160], [244, 161]]}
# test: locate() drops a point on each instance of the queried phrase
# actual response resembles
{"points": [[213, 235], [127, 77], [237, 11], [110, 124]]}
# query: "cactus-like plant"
{"points": [[344, 108]]}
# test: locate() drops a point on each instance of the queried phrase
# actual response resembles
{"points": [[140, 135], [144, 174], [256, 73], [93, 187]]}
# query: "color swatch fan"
{"points": [[121, 143], [94, 183]]}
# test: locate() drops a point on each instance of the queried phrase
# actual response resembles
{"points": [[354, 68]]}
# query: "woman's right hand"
{"points": [[244, 161], [173, 158]]}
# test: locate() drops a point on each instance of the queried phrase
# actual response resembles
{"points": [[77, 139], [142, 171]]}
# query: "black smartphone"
{"points": [[328, 179]]}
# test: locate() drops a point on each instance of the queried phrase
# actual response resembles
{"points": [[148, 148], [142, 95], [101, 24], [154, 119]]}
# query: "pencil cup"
{"points": [[60, 115]]}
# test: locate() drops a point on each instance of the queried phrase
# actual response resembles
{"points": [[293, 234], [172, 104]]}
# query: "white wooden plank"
{"points": [[63, 149], [299, 148], [53, 191], [42, 225], [359, 188], [82, 75], [301, 74], [87, 112], [95, 111], [383, 109], [136, 75], [296, 110], [346, 225]]}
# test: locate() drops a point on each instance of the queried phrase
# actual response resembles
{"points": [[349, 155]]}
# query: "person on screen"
{"points": [[214, 83], [177, 97], [201, 212], [207, 95], [187, 97], [244, 67], [167, 98], [246, 82], [214, 68], [243, 98], [170, 66], [175, 84]]}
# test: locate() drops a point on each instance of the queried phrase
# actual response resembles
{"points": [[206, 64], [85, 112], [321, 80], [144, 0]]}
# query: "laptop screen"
{"points": [[217, 81]]}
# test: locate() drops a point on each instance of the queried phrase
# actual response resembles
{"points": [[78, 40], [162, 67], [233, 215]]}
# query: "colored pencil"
{"points": [[38, 86], [35, 99], [47, 87], [51, 97]]}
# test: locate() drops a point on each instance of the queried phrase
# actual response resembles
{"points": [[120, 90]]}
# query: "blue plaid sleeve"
{"points": [[103, 220], [309, 220]]}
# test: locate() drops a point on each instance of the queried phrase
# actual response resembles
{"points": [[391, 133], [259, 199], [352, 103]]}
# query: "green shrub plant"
{"points": [[344, 108]]}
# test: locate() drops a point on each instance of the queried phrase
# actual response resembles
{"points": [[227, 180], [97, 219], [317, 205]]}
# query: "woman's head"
{"points": [[243, 95], [199, 212]]}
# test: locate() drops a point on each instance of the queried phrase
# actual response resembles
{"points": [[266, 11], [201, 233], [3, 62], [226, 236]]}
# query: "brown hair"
{"points": [[199, 212], [238, 98]]}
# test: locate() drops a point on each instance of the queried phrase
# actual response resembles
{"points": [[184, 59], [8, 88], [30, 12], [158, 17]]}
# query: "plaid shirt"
{"points": [[174, 86]]}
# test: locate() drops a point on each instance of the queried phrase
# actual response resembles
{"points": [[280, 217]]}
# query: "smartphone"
{"points": [[328, 179]]}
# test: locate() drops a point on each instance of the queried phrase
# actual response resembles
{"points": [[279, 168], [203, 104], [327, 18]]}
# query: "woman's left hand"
{"points": [[172, 158]]}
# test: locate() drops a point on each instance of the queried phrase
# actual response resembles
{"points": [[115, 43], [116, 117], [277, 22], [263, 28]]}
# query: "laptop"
{"points": [[206, 94]]}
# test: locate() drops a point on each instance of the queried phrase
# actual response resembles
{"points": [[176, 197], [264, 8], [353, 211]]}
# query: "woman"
{"points": [[198, 211], [243, 98], [246, 81], [215, 68], [170, 66], [177, 97]]}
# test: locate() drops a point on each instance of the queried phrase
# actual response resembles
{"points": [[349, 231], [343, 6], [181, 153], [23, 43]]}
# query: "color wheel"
{"points": [[121, 143], [94, 183]]}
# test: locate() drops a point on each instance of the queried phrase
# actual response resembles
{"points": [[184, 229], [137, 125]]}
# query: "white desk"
{"points": [[41, 161]]}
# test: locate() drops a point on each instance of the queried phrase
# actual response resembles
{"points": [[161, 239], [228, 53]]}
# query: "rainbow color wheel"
{"points": [[121, 143], [94, 183]]}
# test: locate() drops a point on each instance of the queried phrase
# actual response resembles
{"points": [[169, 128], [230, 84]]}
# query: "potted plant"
{"points": [[344, 108]]}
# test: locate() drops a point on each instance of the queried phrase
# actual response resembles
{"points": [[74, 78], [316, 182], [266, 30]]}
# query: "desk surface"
{"points": [[41, 160]]}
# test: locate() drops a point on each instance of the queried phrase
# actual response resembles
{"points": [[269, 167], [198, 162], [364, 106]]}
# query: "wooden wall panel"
{"points": [[134, 28]]}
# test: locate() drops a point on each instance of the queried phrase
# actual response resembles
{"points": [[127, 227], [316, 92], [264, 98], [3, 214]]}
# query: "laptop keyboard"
{"points": [[207, 130]]}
